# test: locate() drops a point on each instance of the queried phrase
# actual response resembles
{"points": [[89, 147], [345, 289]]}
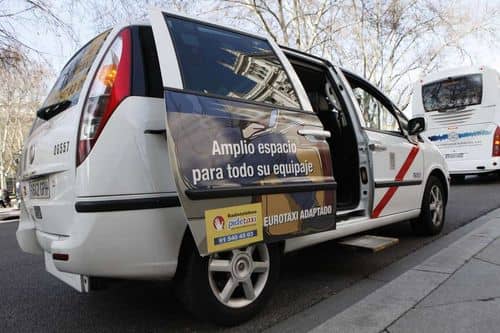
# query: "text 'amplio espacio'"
{"points": [[246, 170]]}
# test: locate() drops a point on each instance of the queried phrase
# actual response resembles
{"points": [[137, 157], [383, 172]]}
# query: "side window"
{"points": [[376, 115], [216, 61], [70, 82]]}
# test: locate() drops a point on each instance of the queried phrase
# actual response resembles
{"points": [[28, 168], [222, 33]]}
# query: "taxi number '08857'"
{"points": [[61, 148]]}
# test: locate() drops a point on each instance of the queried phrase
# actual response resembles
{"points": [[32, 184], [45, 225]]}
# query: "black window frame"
{"points": [[146, 80]]}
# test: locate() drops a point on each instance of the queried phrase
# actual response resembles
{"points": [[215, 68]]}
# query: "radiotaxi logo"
{"points": [[238, 221], [218, 223], [233, 227]]}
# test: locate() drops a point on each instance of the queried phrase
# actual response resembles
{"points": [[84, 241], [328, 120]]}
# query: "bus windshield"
{"points": [[453, 93]]}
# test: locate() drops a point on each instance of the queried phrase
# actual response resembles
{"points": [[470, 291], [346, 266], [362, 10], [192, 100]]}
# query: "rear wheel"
{"points": [[433, 210], [230, 287]]}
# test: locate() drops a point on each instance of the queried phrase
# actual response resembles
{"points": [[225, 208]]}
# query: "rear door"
{"points": [[248, 155]]}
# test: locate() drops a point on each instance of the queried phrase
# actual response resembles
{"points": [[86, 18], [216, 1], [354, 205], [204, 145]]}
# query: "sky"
{"points": [[56, 48]]}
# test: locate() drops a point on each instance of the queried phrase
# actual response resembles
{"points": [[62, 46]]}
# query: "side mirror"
{"points": [[416, 126]]}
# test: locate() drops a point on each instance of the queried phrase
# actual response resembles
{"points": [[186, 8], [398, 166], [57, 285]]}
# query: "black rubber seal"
{"points": [[243, 191], [398, 184], [126, 204]]}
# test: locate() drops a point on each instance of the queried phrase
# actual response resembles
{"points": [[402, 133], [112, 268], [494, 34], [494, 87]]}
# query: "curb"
{"points": [[385, 305]]}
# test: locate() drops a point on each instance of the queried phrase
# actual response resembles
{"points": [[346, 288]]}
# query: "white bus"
{"points": [[462, 111]]}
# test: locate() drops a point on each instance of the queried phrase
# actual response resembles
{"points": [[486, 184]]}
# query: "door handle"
{"points": [[314, 132], [377, 146], [155, 131]]}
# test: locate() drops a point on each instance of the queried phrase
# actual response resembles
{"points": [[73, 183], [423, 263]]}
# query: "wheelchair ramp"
{"points": [[370, 242]]}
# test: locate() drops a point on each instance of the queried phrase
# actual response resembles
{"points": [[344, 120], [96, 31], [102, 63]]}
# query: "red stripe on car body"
{"points": [[399, 177]]}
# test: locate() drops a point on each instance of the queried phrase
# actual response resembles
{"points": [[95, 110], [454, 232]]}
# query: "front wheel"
{"points": [[433, 210], [230, 287]]}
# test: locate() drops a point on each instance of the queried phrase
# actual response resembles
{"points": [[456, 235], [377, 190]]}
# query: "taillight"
{"points": [[110, 86], [496, 143]]}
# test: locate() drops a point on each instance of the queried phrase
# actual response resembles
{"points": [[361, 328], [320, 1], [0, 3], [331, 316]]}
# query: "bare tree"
{"points": [[26, 13], [388, 41], [105, 14], [309, 25], [394, 40], [20, 95]]}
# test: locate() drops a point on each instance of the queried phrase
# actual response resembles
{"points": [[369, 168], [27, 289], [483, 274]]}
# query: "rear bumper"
{"points": [[469, 167], [139, 244], [26, 234]]}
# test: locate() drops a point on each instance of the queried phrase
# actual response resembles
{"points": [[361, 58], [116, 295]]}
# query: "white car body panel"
{"points": [[166, 52], [386, 166], [76, 281], [126, 159], [137, 244]]}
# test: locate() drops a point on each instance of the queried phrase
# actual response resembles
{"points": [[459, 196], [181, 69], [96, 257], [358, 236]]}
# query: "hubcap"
{"points": [[239, 276], [436, 205], [242, 266]]}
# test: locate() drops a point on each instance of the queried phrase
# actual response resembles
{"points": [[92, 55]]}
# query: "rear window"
{"points": [[453, 93], [219, 62], [70, 82]]}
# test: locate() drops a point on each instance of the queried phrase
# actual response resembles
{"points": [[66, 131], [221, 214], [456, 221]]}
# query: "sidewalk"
{"points": [[456, 290]]}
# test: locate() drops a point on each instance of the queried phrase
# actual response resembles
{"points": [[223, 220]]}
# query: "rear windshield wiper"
{"points": [[50, 111]]}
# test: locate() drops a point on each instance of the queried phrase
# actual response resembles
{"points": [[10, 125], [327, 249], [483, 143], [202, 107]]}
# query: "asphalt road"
{"points": [[32, 300]]}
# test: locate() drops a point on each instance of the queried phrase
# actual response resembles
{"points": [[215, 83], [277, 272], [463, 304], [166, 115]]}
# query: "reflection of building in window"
{"points": [[271, 81]]}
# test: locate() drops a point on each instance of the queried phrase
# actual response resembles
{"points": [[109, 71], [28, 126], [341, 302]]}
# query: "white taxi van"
{"points": [[189, 151], [462, 109]]}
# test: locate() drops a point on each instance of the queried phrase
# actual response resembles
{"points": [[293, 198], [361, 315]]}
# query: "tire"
{"points": [[201, 289], [433, 210]]}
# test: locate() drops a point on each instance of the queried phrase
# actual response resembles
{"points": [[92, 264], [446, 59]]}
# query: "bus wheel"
{"points": [[433, 210], [231, 287]]}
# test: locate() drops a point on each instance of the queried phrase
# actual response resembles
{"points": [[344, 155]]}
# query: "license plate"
{"points": [[454, 155], [39, 189]]}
